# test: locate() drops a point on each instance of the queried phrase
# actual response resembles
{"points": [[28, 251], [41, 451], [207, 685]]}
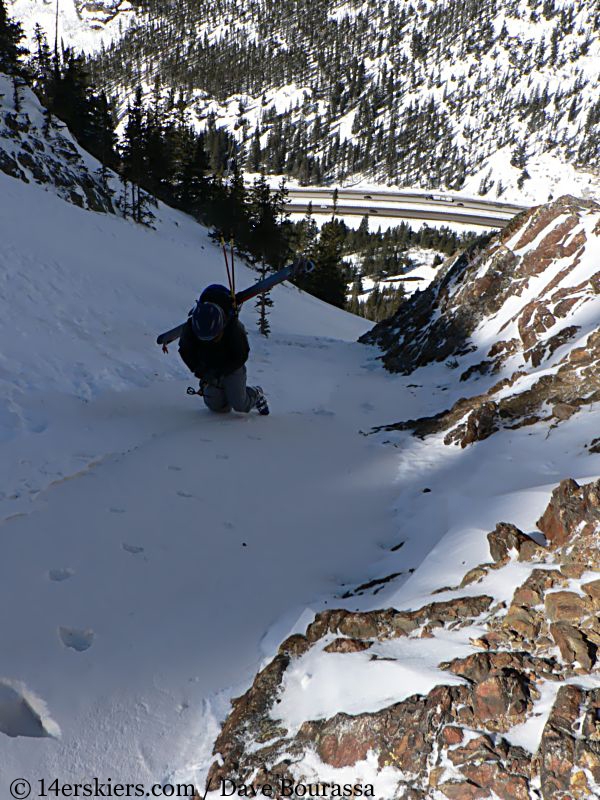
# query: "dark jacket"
{"points": [[217, 358]]}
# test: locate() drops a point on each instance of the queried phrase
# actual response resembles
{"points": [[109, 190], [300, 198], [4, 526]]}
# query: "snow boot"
{"points": [[260, 403]]}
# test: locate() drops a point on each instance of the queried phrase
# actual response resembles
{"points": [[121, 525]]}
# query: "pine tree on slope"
{"points": [[11, 51]]}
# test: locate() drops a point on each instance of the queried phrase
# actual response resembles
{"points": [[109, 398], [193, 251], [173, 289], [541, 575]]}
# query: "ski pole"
{"points": [[231, 250], [226, 263]]}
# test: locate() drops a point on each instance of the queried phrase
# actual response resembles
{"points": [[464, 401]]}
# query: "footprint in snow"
{"points": [[229, 525], [323, 412], [132, 548], [117, 510], [254, 438], [76, 638], [367, 406], [184, 494], [60, 574], [174, 468], [222, 456]]}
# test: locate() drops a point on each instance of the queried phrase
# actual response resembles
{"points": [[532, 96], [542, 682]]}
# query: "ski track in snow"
{"points": [[155, 555]]}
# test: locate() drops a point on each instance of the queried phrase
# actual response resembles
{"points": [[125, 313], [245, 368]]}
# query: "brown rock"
{"points": [[473, 576], [477, 667], [522, 618], [592, 589], [572, 570], [295, 645], [563, 411], [344, 750], [572, 508], [501, 701], [463, 790], [347, 646], [567, 606], [491, 776], [504, 538], [479, 750], [451, 734], [573, 645]]}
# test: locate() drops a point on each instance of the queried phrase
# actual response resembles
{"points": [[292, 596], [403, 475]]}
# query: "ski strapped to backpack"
{"points": [[299, 266]]}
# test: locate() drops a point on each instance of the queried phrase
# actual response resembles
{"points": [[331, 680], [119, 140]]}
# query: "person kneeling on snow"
{"points": [[214, 346]]}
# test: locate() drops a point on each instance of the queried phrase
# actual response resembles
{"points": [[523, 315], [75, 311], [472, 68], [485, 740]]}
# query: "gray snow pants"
{"points": [[229, 392]]}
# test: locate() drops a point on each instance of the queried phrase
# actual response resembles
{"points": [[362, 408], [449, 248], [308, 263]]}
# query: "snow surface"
{"points": [[150, 544], [418, 276], [87, 31], [154, 555], [318, 686]]}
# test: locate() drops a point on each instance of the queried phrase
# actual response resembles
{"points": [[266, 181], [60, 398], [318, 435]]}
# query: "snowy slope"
{"points": [[146, 545], [153, 555]]}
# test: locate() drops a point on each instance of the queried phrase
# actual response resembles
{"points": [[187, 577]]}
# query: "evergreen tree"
{"points": [[263, 304], [269, 240], [133, 156], [11, 52], [40, 63], [191, 168], [328, 280]]}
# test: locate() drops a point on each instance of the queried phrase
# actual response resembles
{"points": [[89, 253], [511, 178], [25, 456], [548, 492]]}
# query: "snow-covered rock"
{"points": [[39, 149], [520, 320], [513, 711]]}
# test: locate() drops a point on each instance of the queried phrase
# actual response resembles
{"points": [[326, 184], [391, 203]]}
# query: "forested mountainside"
{"points": [[417, 93]]}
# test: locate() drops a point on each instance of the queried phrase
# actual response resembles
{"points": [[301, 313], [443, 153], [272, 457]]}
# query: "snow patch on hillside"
{"points": [[549, 178], [82, 26]]}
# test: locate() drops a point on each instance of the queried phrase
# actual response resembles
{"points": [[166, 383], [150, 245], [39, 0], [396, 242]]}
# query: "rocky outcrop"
{"points": [[523, 303], [37, 149], [568, 759], [98, 13], [455, 741]]}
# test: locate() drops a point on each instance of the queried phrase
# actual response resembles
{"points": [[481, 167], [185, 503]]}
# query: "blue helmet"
{"points": [[208, 321]]}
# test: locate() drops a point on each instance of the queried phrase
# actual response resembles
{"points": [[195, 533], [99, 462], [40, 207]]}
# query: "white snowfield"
{"points": [[81, 26], [153, 555]]}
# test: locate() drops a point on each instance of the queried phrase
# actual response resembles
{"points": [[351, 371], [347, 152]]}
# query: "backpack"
{"points": [[219, 294]]}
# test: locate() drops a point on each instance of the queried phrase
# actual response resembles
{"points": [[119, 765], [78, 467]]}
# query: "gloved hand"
{"points": [[209, 377]]}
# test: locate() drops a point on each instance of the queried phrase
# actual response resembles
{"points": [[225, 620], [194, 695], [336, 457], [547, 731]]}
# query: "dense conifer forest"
{"points": [[414, 93]]}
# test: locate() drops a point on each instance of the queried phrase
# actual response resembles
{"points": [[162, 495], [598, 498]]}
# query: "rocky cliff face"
{"points": [[488, 687], [520, 320], [98, 12], [34, 148], [532, 665]]}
